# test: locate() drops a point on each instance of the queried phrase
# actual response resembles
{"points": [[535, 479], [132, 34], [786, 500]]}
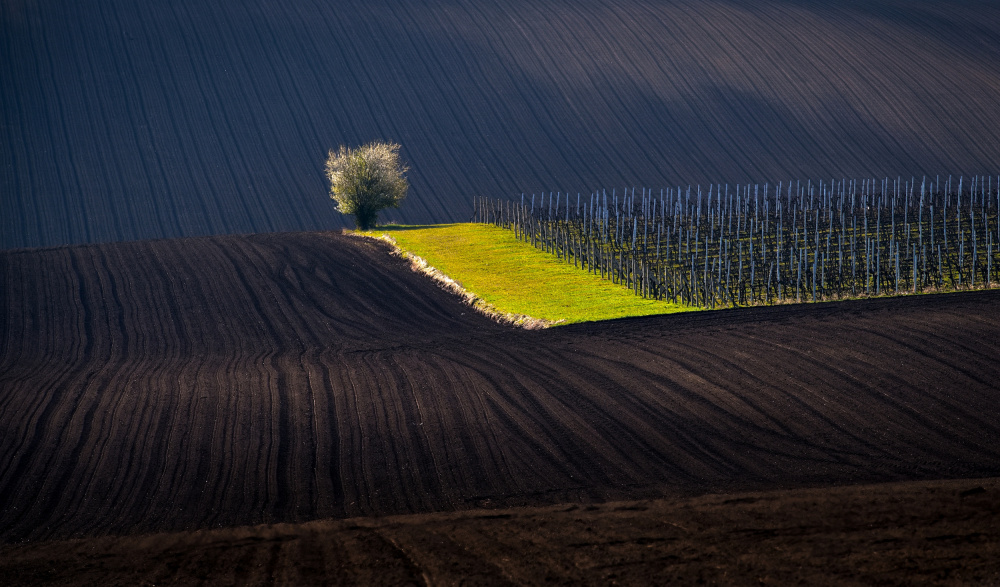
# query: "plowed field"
{"points": [[918, 532], [137, 119], [184, 384]]}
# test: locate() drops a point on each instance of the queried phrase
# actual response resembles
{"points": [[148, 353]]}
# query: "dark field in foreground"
{"points": [[937, 532], [186, 384], [136, 119]]}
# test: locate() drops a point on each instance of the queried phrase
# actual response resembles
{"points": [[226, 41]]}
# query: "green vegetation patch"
{"points": [[517, 278]]}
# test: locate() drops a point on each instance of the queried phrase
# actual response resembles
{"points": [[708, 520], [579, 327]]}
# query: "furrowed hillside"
{"points": [[132, 119], [220, 381]]}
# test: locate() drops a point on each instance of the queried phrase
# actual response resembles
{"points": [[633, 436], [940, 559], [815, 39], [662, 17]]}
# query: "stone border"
{"points": [[420, 265]]}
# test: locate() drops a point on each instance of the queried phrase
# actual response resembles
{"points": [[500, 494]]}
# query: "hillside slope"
{"points": [[138, 119], [181, 384]]}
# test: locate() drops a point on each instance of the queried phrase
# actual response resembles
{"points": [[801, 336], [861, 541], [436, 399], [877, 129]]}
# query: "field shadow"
{"points": [[176, 130]]}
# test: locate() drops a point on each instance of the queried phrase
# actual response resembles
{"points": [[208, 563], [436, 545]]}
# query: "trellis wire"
{"points": [[765, 244]]}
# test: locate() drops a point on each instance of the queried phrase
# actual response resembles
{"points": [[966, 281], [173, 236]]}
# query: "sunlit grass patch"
{"points": [[517, 278]]}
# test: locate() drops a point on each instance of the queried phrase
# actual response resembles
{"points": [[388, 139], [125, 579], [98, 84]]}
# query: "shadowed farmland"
{"points": [[191, 383], [129, 119]]}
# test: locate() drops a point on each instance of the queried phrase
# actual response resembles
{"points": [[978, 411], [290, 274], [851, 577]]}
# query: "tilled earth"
{"points": [[918, 532], [182, 385], [131, 119]]}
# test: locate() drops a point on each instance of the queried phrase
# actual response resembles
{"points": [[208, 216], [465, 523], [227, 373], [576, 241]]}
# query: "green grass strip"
{"points": [[517, 278]]}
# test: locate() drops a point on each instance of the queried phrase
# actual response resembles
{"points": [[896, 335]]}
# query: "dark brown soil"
{"points": [[930, 532], [167, 385], [174, 385]]}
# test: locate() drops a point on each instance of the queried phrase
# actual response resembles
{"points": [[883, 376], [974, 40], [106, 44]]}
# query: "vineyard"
{"points": [[770, 244]]}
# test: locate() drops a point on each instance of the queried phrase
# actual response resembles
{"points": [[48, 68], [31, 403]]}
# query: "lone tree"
{"points": [[366, 180]]}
